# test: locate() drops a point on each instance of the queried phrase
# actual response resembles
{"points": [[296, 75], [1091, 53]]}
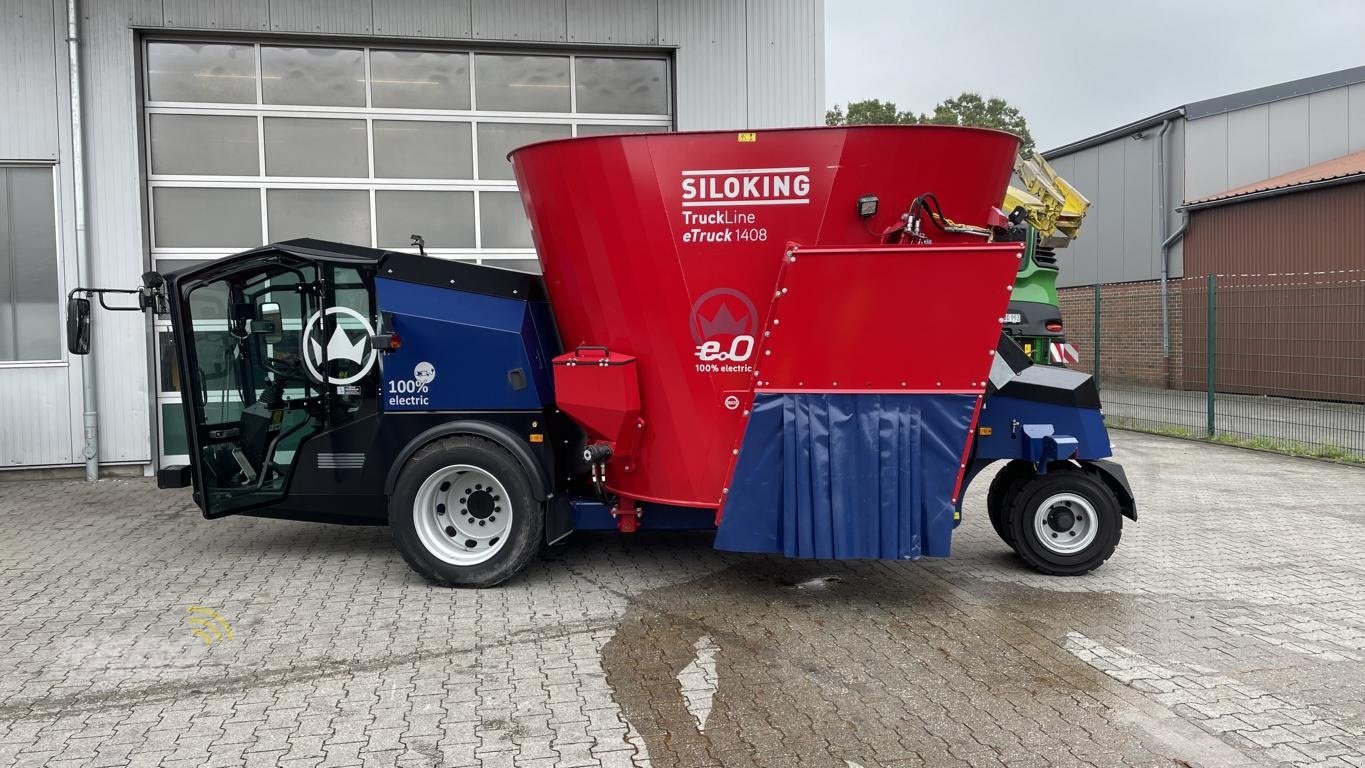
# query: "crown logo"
{"points": [[340, 347], [722, 323], [714, 314]]}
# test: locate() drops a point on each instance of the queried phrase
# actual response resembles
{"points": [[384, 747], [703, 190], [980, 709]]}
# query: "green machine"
{"points": [[1045, 214]]}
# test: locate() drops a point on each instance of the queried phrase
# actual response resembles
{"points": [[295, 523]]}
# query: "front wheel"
{"points": [[463, 515], [1066, 522], [1004, 486]]}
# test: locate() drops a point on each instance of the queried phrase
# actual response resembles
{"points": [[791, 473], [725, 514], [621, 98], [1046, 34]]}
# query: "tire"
{"points": [[1003, 487], [462, 513], [1077, 514]]}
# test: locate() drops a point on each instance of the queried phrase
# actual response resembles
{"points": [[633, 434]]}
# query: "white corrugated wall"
{"points": [[114, 219], [423, 18], [783, 52], [738, 64], [39, 401], [526, 20]]}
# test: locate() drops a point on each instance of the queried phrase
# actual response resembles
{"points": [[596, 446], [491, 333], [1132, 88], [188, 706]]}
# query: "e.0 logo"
{"points": [[741, 347]]}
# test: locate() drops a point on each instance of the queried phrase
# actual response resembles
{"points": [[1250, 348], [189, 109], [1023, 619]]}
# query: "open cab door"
{"points": [[273, 349]]}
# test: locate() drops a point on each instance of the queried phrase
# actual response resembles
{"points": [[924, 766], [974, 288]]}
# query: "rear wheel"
{"points": [[463, 515], [1066, 522], [1003, 488]]}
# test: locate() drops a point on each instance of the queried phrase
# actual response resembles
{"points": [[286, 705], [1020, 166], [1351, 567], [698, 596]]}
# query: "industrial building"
{"points": [[1257, 188], [172, 131], [1140, 174]]}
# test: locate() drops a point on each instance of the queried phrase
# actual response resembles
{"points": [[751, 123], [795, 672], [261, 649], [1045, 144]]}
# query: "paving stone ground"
{"points": [[1229, 629]]}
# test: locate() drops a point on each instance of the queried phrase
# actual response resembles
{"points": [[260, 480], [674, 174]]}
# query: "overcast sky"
{"points": [[1079, 67]]}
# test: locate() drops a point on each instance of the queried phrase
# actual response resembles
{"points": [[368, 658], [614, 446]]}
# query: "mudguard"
{"points": [[1113, 476], [541, 487]]}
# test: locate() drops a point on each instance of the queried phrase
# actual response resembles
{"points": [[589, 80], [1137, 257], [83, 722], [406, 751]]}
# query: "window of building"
{"points": [[250, 143], [30, 316]]}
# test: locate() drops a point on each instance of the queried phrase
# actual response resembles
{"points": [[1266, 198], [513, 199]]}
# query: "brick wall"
{"points": [[1130, 332]]}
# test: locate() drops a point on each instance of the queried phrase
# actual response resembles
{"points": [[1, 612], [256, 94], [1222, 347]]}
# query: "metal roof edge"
{"points": [[1271, 93], [1220, 104], [1115, 133], [1273, 192]]}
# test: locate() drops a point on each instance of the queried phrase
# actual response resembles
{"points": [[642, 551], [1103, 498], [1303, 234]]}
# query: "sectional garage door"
{"points": [[249, 143]]}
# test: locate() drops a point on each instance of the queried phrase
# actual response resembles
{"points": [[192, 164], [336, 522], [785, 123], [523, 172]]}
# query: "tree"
{"points": [[967, 109], [971, 109], [869, 112]]}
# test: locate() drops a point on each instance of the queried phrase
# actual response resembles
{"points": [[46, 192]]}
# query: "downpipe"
{"points": [[83, 276], [1165, 265], [1166, 240]]}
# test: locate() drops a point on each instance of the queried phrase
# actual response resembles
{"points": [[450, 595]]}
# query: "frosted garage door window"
{"points": [[29, 318], [205, 145], [417, 149], [521, 83], [204, 217], [419, 80], [503, 221], [327, 214], [497, 139], [443, 219], [329, 77], [205, 72], [315, 146], [622, 86], [587, 129]]}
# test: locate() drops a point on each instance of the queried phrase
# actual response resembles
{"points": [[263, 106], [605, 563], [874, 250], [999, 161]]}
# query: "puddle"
{"points": [[798, 663]]}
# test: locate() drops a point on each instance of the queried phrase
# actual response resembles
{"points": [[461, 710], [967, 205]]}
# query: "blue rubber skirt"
{"points": [[845, 476]]}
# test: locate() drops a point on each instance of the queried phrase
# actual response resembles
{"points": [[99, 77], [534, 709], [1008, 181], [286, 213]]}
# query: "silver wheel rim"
{"points": [[462, 514], [1066, 523]]}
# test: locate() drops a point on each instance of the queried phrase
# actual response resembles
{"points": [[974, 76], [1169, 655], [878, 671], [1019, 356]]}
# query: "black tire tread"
{"points": [[1002, 490]]}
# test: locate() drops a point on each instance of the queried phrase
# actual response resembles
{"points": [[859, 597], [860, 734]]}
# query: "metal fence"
{"points": [[1271, 361]]}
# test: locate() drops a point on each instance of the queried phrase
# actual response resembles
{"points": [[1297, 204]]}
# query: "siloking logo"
{"points": [[346, 360], [746, 186], [723, 325]]}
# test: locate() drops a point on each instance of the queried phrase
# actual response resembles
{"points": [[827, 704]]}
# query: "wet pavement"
{"points": [[1228, 629]]}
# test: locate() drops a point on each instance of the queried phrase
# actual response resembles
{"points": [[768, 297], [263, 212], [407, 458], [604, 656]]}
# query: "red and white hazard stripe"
{"points": [[1064, 353]]}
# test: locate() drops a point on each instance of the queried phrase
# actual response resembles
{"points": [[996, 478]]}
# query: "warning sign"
{"points": [[1064, 353]]}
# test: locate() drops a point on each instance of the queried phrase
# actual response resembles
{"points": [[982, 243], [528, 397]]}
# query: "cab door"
{"points": [[273, 350]]}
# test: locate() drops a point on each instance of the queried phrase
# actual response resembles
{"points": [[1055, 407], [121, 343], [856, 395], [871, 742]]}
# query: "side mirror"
{"points": [[78, 325], [270, 324]]}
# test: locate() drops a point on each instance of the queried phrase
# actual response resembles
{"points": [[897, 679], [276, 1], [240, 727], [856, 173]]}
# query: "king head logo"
{"points": [[722, 313], [340, 346]]}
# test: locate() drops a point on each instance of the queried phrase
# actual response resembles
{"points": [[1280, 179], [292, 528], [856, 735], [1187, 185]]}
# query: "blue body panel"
{"points": [[847, 476], [461, 350], [1040, 432], [593, 515]]}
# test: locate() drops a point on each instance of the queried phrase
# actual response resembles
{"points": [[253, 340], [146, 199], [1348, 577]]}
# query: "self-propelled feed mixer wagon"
{"points": [[730, 334]]}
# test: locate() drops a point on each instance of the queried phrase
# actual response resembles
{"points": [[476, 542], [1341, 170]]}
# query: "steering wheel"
{"points": [[285, 367]]}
